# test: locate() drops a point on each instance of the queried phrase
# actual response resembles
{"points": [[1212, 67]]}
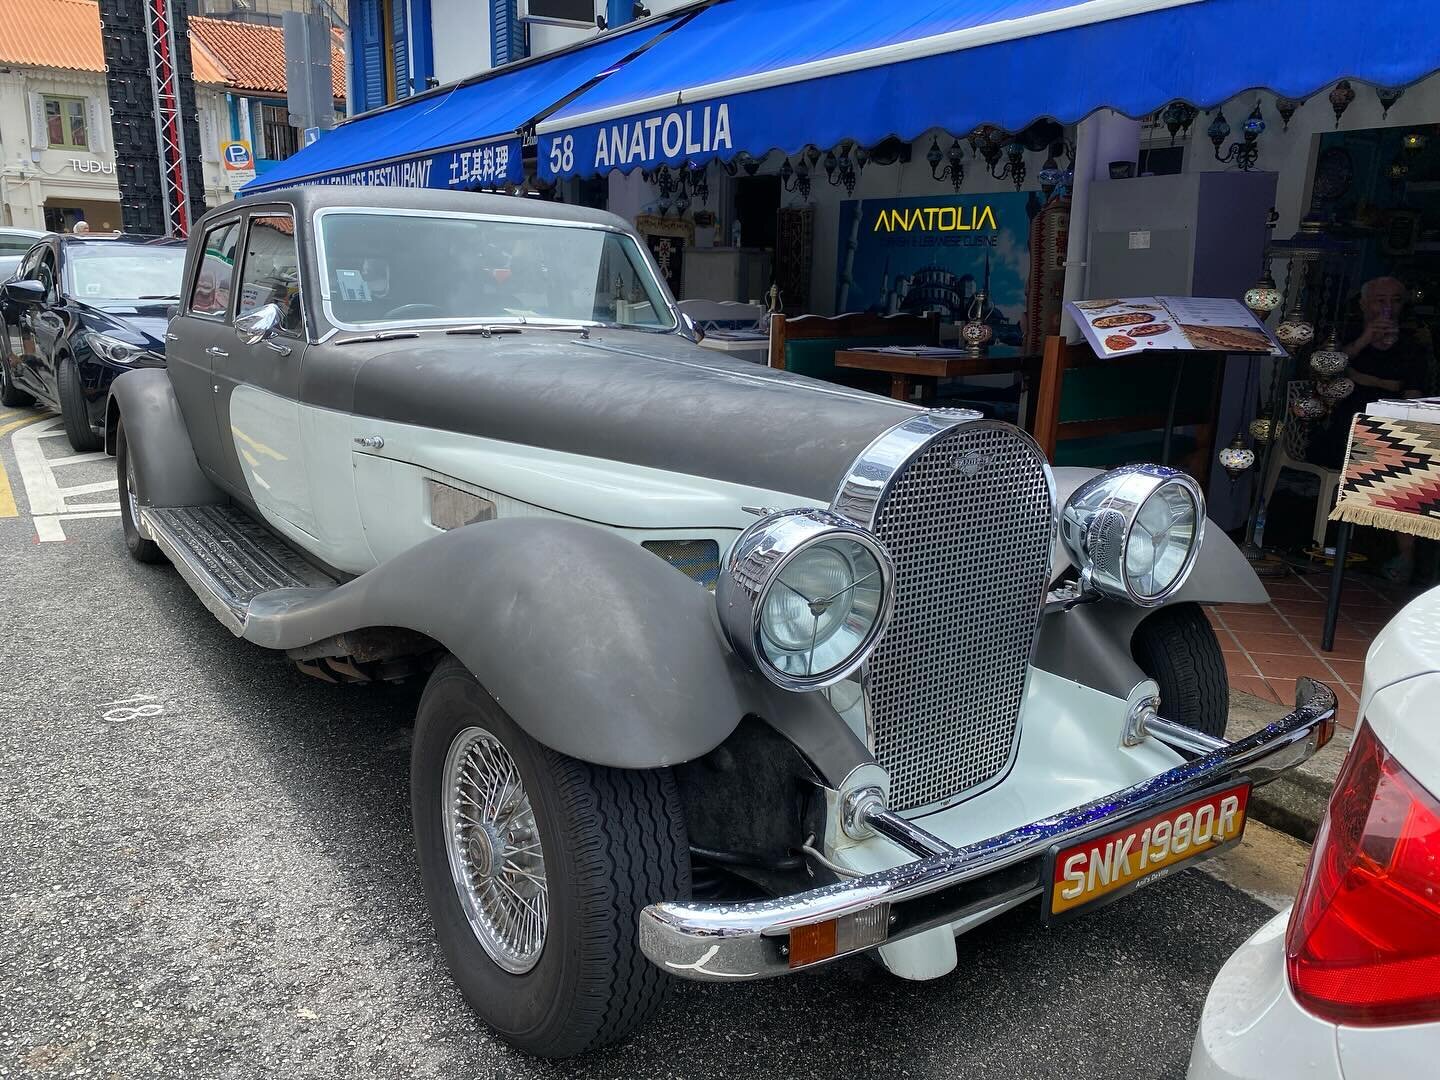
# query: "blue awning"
{"points": [[464, 137], [762, 75]]}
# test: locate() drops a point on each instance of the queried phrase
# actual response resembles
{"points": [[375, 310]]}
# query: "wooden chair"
{"points": [[1092, 411]]}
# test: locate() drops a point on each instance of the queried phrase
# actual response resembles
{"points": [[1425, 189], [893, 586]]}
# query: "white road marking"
{"points": [[50, 500]]}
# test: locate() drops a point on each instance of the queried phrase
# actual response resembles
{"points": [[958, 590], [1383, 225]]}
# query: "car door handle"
{"points": [[279, 347], [171, 337], [215, 350], [370, 442]]}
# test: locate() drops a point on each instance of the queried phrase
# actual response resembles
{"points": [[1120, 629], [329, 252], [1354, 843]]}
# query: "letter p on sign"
{"points": [[236, 156]]}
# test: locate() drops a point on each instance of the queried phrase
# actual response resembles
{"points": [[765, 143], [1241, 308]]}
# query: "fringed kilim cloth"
{"points": [[1392, 476]]}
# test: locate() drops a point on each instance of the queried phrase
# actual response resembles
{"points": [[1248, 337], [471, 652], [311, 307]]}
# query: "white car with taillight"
{"points": [[1347, 981]]}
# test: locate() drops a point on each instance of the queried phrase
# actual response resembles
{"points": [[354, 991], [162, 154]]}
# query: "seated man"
{"points": [[1387, 360]]}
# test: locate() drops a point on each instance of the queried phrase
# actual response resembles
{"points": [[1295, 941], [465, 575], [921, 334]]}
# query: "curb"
{"points": [[1295, 802]]}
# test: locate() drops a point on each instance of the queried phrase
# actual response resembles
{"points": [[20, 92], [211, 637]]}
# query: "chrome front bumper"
{"points": [[719, 942]]}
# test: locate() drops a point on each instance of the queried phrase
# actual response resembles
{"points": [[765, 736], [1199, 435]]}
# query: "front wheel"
{"points": [[536, 867], [1177, 648], [74, 410], [142, 548]]}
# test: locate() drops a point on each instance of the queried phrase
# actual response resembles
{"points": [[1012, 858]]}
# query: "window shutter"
{"points": [[400, 36], [209, 137], [39, 133], [97, 112], [507, 33], [369, 55], [257, 129]]}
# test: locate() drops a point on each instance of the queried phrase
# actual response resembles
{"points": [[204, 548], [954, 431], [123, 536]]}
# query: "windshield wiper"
{"points": [[159, 296], [485, 329]]}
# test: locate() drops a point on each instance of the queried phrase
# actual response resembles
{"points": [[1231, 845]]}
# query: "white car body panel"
{"points": [[324, 513], [1252, 1026]]}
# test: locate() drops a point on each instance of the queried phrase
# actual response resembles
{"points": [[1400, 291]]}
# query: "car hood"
{"points": [[141, 323], [654, 400]]}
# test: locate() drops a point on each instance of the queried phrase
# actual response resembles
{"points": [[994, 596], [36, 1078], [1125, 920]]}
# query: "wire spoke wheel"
{"points": [[496, 860]]}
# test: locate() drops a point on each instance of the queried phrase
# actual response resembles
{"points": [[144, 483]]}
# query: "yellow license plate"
{"points": [[1107, 866]]}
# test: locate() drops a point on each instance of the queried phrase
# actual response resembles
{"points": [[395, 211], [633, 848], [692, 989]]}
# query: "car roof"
{"points": [[307, 199], [17, 230], [119, 240]]}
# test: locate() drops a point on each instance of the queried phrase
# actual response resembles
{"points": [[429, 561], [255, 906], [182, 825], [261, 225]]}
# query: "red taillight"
{"points": [[1363, 945]]}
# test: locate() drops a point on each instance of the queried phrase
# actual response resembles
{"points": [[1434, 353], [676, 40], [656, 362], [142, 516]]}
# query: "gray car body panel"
{"points": [[597, 648], [166, 472]]}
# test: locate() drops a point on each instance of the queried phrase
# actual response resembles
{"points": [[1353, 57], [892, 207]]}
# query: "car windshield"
{"points": [[384, 268], [131, 272]]}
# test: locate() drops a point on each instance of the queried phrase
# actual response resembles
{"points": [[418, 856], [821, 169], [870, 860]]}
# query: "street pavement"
{"points": [[206, 871]]}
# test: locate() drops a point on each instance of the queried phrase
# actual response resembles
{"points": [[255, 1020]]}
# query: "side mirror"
{"points": [[259, 324], [25, 292], [690, 328]]}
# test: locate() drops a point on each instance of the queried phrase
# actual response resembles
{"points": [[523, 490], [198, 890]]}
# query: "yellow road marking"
{"points": [[7, 496]]}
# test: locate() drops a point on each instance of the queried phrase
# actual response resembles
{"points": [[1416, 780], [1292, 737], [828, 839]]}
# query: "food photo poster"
{"points": [[1152, 323]]}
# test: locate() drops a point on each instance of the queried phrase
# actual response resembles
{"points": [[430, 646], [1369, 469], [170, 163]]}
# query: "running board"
{"points": [[228, 559]]}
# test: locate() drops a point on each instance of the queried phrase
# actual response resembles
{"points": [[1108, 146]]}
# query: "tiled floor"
{"points": [[1267, 646]]}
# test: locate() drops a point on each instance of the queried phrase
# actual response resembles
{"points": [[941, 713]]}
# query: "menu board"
{"points": [[1151, 323]]}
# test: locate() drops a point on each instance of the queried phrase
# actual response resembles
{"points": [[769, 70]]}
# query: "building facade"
{"points": [[57, 162]]}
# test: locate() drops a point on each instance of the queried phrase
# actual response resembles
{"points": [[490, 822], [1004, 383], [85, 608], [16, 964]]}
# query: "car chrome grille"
{"points": [[968, 522]]}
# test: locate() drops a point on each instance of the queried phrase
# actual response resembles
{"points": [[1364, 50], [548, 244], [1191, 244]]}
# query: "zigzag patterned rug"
{"points": [[1392, 476]]}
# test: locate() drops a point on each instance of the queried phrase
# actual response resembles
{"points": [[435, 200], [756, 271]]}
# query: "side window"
{"points": [[45, 271], [31, 265], [271, 272], [210, 295]]}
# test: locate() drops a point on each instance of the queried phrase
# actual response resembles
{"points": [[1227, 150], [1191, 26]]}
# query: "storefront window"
{"points": [[416, 268], [65, 122], [281, 139]]}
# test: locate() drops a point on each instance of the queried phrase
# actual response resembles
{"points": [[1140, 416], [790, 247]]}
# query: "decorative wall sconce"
{"points": [[1245, 151], [1014, 166], [954, 171], [743, 160], [1388, 96], [1341, 95], [796, 178], [845, 169], [1177, 118]]}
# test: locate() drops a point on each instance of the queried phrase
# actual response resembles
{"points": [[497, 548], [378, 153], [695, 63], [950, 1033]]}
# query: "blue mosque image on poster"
{"points": [[934, 253]]}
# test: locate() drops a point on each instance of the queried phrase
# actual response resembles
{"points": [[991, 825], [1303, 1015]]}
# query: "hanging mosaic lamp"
{"points": [[1255, 123], [1329, 360], [1340, 98], [1260, 429], [1294, 331], [1308, 407], [1287, 108], [1237, 457], [1388, 95], [1219, 129], [1177, 118], [1337, 389], [1264, 297]]}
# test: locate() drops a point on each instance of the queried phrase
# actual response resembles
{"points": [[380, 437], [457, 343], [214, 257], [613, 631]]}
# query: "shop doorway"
{"points": [[101, 217]]}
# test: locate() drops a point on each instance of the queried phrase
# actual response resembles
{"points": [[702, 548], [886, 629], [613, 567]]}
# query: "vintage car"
{"points": [[730, 672], [1346, 982]]}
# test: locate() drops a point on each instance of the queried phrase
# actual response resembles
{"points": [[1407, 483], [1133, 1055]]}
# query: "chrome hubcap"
{"points": [[493, 845]]}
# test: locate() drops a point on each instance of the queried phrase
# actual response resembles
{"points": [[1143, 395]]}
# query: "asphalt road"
{"points": [[214, 878]]}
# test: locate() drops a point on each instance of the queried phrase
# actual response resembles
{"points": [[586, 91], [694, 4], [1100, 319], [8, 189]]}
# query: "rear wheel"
{"points": [[142, 548], [536, 867], [9, 394], [1177, 648], [75, 410]]}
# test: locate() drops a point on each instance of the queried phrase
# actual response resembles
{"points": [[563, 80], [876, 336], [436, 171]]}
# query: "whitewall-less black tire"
{"points": [[1177, 647], [73, 409], [585, 845]]}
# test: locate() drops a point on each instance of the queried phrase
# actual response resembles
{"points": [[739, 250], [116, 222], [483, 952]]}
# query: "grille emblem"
{"points": [[972, 461]]}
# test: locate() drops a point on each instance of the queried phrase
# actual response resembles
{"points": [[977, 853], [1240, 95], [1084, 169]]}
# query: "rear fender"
{"points": [[596, 647], [166, 472]]}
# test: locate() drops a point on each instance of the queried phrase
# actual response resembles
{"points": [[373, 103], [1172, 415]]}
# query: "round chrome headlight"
{"points": [[804, 596], [1135, 532]]}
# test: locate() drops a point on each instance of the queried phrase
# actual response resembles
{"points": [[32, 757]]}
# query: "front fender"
{"points": [[1221, 574], [166, 472], [596, 647]]}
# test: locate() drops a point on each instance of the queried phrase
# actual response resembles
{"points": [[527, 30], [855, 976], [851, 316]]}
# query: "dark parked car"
{"points": [[14, 243], [79, 311]]}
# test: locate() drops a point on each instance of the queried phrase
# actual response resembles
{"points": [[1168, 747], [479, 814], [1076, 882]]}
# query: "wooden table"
{"points": [[1391, 481], [904, 365]]}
